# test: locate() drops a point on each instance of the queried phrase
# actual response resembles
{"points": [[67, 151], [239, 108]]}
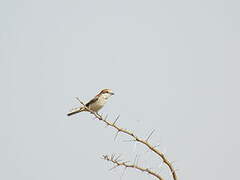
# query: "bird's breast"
{"points": [[98, 104]]}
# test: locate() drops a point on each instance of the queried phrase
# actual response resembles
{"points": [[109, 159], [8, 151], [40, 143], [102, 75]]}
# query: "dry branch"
{"points": [[118, 163], [135, 138]]}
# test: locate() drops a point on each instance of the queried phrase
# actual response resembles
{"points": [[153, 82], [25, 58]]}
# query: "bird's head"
{"points": [[106, 93]]}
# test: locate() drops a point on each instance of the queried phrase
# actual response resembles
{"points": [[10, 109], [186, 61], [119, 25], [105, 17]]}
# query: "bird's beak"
{"points": [[112, 93]]}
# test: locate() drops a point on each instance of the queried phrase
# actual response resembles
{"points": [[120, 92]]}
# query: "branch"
{"points": [[135, 138], [117, 163]]}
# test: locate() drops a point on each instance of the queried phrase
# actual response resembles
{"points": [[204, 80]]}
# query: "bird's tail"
{"points": [[76, 110]]}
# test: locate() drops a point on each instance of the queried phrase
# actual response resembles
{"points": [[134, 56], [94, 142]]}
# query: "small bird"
{"points": [[96, 103]]}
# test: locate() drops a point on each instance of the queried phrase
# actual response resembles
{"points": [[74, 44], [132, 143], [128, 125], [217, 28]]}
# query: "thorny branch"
{"points": [[135, 138], [125, 164]]}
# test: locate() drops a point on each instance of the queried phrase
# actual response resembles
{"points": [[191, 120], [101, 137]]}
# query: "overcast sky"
{"points": [[173, 65]]}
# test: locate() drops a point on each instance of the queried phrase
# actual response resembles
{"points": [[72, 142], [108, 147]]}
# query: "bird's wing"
{"points": [[92, 101]]}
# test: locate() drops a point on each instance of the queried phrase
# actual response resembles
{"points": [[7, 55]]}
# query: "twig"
{"points": [[126, 165]]}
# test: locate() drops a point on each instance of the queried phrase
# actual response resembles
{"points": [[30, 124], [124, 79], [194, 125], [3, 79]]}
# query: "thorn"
{"points": [[160, 170], [164, 151], [150, 135], [156, 146], [106, 117], [80, 101], [135, 159], [173, 162], [120, 160], [105, 157], [131, 140], [117, 157], [115, 137], [135, 146], [123, 173], [113, 167], [112, 156], [161, 163], [116, 119]]}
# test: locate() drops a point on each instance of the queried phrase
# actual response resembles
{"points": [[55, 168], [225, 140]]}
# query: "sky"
{"points": [[174, 68]]}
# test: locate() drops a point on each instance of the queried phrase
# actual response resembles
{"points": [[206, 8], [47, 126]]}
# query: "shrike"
{"points": [[96, 103]]}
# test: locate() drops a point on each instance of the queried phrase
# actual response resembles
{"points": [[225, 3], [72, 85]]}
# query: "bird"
{"points": [[96, 103]]}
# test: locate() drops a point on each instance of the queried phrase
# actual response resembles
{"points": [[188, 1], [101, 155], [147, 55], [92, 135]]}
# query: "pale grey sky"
{"points": [[174, 66]]}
